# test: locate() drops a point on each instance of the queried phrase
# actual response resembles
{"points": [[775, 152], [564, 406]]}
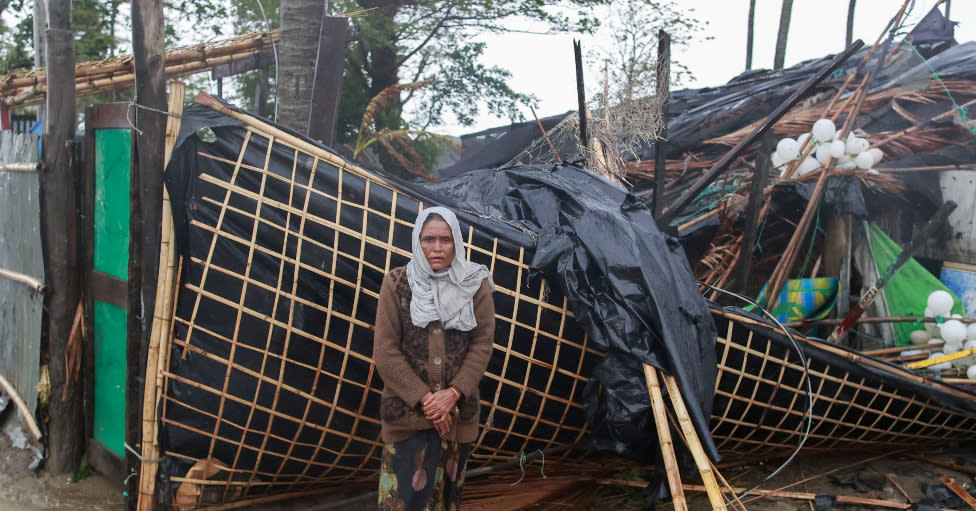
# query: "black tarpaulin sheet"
{"points": [[629, 286]]}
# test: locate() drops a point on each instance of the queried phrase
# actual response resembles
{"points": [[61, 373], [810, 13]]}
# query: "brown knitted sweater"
{"points": [[413, 361]]}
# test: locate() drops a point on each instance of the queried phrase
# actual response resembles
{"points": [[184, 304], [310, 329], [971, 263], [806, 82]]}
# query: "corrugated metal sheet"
{"points": [[960, 186], [20, 251]]}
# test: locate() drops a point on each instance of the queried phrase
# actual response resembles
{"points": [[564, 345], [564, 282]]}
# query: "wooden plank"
{"points": [[327, 85], [109, 289], [65, 432]]}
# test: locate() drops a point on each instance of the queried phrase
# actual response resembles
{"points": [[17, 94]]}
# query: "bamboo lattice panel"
{"points": [[270, 370], [761, 398]]}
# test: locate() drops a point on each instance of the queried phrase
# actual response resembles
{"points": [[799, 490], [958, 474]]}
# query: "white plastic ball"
{"points": [[953, 331], [936, 340], [873, 172], [951, 347], [838, 148], [802, 141], [787, 149], [823, 130], [864, 160], [970, 344], [776, 160], [856, 145], [971, 331], [808, 165], [876, 155], [919, 337], [940, 303], [941, 366], [955, 316], [822, 153], [971, 372], [932, 329], [848, 164]]}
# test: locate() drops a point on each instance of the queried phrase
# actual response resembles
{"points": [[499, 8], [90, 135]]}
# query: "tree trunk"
{"points": [[784, 29], [300, 24], [383, 67], [750, 33], [66, 427], [850, 23]]}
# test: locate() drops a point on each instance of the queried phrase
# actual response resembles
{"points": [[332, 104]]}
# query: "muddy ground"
{"points": [[904, 476]]}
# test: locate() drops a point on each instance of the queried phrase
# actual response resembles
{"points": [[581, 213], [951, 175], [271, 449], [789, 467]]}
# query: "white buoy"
{"points": [[822, 153], [919, 337], [942, 366], [857, 145], [940, 303], [864, 160], [935, 340], [838, 148], [776, 160], [876, 155], [953, 331], [787, 149], [802, 139], [823, 130], [873, 172], [971, 372], [808, 165], [951, 347], [971, 331]]}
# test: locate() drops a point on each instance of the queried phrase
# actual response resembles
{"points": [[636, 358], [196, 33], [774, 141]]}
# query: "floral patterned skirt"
{"points": [[422, 473]]}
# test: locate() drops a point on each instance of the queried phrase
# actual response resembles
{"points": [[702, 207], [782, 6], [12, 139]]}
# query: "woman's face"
{"points": [[437, 243]]}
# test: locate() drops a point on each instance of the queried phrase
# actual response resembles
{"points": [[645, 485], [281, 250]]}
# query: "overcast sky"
{"points": [[543, 64]]}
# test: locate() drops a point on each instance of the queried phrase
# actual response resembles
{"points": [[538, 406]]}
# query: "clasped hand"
{"points": [[437, 407]]}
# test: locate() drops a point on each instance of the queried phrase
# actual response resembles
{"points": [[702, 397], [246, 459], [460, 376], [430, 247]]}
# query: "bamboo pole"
{"points": [[664, 436], [19, 167], [162, 320], [959, 491], [25, 411], [271, 132], [693, 442], [27, 280]]}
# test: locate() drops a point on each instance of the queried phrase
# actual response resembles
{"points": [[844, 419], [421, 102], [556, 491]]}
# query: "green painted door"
{"points": [[110, 260]]}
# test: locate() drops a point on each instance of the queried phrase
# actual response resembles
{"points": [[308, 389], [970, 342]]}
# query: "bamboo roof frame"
{"points": [[30, 87]]}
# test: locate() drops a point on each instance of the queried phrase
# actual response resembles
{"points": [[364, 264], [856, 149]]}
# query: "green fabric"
{"points": [[113, 152], [110, 376], [908, 291]]}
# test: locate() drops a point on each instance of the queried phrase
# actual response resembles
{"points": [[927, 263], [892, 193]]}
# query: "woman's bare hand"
{"points": [[444, 424], [439, 404]]}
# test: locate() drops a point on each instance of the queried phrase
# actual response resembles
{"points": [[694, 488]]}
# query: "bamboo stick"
{"points": [[25, 411], [162, 320], [19, 167], [664, 436], [885, 319], [944, 464], [840, 499], [31, 282], [693, 443], [270, 131], [959, 491]]}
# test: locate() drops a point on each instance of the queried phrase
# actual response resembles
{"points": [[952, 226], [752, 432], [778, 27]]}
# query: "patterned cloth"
{"points": [[422, 473]]}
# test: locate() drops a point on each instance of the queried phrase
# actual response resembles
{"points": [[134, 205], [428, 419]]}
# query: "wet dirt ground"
{"points": [[909, 476]]}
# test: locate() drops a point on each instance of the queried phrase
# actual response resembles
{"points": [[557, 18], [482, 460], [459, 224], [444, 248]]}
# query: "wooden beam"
{"points": [[146, 195], [327, 83], [751, 220], [663, 83], [65, 427]]}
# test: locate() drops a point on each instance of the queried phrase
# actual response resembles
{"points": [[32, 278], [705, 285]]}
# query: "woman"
{"points": [[435, 324]]}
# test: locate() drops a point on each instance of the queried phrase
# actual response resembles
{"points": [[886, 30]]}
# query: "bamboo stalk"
{"points": [[840, 499], [270, 131], [885, 319], [944, 464], [959, 491], [162, 320], [664, 437], [31, 282], [693, 442], [25, 411], [19, 167]]}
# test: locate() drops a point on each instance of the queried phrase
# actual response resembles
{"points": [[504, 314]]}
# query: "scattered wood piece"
{"points": [[959, 490], [664, 437], [894, 483], [25, 412], [34, 284], [943, 464]]}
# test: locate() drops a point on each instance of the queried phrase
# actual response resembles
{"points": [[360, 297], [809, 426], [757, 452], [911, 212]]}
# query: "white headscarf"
{"points": [[445, 295]]}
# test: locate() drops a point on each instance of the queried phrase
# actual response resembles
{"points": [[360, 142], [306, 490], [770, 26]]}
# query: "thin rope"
{"points": [[969, 125], [133, 104], [523, 459], [142, 459], [808, 415]]}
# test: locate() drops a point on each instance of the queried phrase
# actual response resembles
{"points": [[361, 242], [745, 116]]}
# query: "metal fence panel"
{"points": [[20, 253]]}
